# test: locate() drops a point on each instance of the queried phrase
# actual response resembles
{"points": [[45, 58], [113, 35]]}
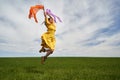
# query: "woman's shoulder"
{"points": [[46, 21]]}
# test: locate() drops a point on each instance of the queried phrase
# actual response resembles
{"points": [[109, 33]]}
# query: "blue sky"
{"points": [[90, 28]]}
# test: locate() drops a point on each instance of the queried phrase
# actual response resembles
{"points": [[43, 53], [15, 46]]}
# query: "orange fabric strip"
{"points": [[33, 11]]}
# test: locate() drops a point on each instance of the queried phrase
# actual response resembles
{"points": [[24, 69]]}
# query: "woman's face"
{"points": [[51, 20]]}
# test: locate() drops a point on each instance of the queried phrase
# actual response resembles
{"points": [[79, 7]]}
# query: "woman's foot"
{"points": [[43, 58], [42, 50]]}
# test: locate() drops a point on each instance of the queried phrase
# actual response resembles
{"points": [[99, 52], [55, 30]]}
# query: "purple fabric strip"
{"points": [[48, 11]]}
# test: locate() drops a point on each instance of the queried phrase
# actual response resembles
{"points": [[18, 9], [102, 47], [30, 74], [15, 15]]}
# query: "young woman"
{"points": [[48, 38]]}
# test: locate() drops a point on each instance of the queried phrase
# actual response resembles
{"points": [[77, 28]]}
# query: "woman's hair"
{"points": [[50, 18]]}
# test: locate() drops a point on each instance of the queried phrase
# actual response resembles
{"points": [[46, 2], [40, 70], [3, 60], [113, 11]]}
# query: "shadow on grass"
{"points": [[33, 69]]}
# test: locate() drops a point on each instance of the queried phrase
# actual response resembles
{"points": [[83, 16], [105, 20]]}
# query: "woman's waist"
{"points": [[51, 30]]}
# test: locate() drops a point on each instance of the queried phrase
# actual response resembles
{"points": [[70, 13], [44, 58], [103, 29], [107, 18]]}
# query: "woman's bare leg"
{"points": [[45, 57], [48, 53]]}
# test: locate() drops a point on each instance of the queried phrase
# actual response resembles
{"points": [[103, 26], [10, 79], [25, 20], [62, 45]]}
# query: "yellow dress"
{"points": [[48, 38]]}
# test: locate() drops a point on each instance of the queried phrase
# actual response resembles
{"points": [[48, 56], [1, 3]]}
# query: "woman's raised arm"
{"points": [[44, 12]]}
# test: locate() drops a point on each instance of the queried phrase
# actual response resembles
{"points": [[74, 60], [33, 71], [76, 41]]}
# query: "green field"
{"points": [[60, 68]]}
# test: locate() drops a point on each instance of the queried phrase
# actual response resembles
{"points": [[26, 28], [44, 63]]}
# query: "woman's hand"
{"points": [[43, 9]]}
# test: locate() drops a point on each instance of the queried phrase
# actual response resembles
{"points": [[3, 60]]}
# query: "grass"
{"points": [[60, 68]]}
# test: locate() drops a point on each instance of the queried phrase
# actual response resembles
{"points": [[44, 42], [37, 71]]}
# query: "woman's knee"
{"points": [[51, 51]]}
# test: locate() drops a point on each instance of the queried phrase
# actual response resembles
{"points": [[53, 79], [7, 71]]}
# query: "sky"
{"points": [[89, 28]]}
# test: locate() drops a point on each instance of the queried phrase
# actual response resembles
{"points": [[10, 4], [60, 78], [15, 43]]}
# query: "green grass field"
{"points": [[60, 68]]}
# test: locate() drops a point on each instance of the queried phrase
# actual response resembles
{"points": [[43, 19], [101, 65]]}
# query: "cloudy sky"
{"points": [[90, 28]]}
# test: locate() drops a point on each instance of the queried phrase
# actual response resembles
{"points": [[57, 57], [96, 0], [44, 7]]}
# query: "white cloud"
{"points": [[82, 22]]}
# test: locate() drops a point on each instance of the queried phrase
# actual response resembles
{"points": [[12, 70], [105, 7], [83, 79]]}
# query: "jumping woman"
{"points": [[48, 38]]}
